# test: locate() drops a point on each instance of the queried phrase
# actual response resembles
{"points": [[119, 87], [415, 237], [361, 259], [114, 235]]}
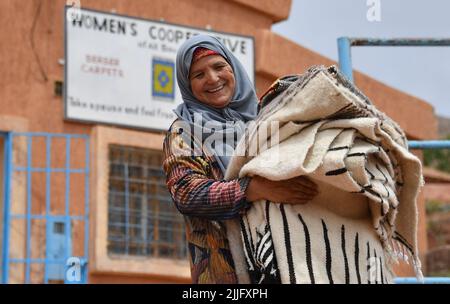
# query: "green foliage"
{"points": [[433, 206], [438, 158], [442, 273]]}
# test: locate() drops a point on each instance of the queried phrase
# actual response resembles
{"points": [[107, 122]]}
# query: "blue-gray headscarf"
{"points": [[216, 122]]}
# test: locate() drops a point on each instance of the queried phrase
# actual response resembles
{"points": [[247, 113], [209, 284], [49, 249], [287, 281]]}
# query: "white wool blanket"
{"points": [[365, 216]]}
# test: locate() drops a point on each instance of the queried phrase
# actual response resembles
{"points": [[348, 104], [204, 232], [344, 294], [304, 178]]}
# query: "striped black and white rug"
{"points": [[319, 125]]}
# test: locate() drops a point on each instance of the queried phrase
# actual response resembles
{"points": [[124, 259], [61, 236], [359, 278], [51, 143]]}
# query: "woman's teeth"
{"points": [[215, 90]]}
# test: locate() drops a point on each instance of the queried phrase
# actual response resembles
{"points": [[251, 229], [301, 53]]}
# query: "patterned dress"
{"points": [[199, 192]]}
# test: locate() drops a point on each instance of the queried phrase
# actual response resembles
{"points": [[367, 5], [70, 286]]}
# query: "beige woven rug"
{"points": [[322, 127]]}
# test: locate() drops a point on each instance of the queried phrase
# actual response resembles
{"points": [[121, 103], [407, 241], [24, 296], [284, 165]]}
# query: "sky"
{"points": [[423, 72]]}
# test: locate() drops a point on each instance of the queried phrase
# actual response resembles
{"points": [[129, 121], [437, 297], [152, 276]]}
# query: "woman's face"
{"points": [[212, 81]]}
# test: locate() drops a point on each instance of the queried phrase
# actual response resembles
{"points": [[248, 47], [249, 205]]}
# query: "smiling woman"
{"points": [[212, 79], [214, 86]]}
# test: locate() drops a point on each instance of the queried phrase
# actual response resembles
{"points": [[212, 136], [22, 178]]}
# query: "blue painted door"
{"points": [[57, 249]]}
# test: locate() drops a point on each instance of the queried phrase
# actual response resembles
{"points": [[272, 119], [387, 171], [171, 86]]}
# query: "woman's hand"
{"points": [[297, 190]]}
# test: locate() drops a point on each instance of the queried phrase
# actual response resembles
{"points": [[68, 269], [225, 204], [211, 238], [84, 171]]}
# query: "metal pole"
{"points": [[345, 57], [399, 42], [428, 280], [47, 206], [84, 266], [7, 207], [429, 144]]}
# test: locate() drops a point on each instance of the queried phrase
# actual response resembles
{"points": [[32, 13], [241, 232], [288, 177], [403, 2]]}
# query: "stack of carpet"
{"points": [[321, 126]]}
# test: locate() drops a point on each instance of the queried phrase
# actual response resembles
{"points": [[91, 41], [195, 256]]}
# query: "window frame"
{"points": [[146, 222], [102, 262]]}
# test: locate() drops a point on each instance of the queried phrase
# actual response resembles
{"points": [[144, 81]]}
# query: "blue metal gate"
{"points": [[45, 208]]}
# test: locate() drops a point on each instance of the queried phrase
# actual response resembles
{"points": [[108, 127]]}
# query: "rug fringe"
{"points": [[395, 252]]}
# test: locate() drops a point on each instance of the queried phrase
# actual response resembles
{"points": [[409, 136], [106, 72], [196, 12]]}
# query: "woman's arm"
{"points": [[194, 193], [297, 190]]}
